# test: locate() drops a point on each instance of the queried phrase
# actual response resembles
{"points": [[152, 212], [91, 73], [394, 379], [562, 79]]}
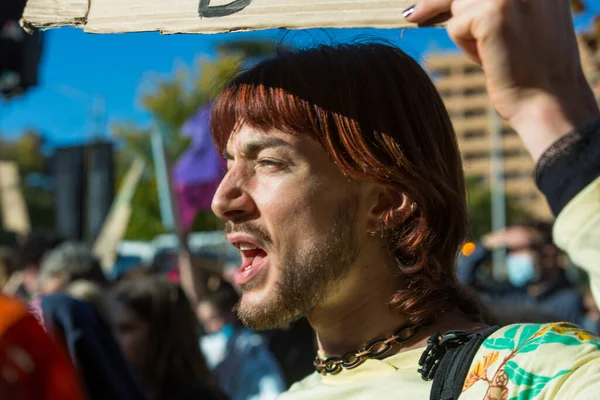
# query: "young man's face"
{"points": [[297, 220]]}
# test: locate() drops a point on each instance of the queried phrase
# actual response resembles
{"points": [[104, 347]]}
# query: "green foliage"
{"points": [[479, 197], [27, 152], [170, 101], [578, 6]]}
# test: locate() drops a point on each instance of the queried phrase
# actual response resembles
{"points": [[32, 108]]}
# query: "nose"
{"points": [[231, 202]]}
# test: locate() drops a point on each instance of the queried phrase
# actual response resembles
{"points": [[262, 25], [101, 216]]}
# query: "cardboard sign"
{"points": [[15, 217], [211, 16]]}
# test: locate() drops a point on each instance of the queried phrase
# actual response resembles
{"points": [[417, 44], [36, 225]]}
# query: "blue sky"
{"points": [[77, 66]]}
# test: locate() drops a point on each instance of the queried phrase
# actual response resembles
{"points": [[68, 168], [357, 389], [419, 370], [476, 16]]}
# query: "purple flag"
{"points": [[198, 171]]}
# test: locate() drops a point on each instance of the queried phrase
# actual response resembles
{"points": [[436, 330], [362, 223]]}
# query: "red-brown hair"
{"points": [[379, 117]]}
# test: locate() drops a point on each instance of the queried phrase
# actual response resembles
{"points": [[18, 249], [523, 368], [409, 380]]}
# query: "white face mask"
{"points": [[521, 269]]}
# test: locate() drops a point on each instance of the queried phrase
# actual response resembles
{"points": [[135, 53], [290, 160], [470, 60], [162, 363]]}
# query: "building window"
{"points": [[516, 175], [508, 153], [474, 134], [473, 91], [473, 69], [440, 72], [480, 155], [475, 112]]}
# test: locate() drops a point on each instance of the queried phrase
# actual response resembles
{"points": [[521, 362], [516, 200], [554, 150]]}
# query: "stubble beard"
{"points": [[307, 277]]}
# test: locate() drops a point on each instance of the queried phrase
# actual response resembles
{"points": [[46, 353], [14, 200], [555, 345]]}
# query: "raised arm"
{"points": [[528, 50]]}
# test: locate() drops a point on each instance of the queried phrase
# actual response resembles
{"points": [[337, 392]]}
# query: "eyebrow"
{"points": [[256, 146]]}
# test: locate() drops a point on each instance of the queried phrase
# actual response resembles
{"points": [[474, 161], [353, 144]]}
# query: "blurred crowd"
{"points": [[537, 282], [72, 328], [133, 334], [138, 335]]}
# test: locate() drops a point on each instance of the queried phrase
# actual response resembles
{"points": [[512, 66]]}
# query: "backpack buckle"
{"points": [[437, 347]]}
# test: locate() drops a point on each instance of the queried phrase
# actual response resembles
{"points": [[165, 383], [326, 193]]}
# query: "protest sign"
{"points": [[211, 16], [15, 217]]}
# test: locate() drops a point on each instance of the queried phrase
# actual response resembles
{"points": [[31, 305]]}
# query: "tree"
{"points": [[578, 6], [28, 153], [581, 6], [479, 197], [172, 101]]}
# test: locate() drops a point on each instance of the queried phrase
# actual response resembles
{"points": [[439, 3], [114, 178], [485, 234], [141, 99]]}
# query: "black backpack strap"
{"points": [[447, 360]]}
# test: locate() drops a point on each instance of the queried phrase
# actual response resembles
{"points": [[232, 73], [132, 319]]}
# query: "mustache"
{"points": [[249, 228]]}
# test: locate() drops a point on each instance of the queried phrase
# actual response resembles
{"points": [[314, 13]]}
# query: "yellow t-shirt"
{"points": [[518, 362], [577, 231]]}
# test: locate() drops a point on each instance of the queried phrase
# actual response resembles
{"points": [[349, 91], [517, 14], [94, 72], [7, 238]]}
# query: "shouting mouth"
{"points": [[254, 259]]}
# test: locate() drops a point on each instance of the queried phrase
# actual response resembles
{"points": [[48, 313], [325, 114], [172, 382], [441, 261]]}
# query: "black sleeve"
{"points": [[569, 165]]}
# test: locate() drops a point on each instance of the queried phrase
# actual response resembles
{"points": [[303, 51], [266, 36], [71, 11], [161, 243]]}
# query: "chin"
{"points": [[256, 309], [262, 309]]}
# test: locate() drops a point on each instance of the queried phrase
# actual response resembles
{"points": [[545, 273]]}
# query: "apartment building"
{"points": [[462, 86]]}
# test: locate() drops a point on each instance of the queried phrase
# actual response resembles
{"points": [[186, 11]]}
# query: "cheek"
{"points": [[298, 203]]}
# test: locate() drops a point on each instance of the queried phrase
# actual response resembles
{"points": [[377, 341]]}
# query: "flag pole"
{"points": [[163, 181]]}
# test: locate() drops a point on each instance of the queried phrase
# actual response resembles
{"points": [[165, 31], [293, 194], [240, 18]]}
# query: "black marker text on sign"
{"points": [[205, 10]]}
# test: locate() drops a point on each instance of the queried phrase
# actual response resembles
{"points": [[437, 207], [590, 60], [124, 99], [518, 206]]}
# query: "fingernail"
{"points": [[408, 12]]}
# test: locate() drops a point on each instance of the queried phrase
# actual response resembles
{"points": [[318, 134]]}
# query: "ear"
{"points": [[391, 207]]}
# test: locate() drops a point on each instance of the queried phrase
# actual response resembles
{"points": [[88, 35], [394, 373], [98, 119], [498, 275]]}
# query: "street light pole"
{"points": [[98, 117], [498, 209]]}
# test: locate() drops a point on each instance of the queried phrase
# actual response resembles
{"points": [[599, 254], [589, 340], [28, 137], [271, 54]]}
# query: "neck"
{"points": [[349, 325], [360, 313]]}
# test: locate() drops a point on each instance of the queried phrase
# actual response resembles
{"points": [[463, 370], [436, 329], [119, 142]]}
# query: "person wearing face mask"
{"points": [[537, 289]]}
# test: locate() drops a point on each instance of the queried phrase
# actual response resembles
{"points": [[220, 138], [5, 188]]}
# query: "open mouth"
{"points": [[254, 260]]}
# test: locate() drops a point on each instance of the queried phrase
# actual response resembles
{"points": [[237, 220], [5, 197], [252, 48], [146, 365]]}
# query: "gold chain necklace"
{"points": [[374, 349]]}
